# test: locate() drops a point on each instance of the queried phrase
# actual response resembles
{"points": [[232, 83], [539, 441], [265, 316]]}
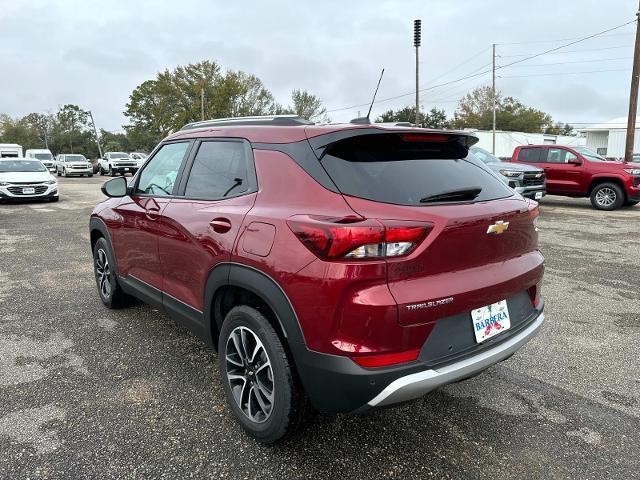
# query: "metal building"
{"points": [[609, 138]]}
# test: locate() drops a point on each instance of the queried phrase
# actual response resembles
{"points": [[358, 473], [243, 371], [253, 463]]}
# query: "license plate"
{"points": [[538, 195], [26, 191], [490, 320]]}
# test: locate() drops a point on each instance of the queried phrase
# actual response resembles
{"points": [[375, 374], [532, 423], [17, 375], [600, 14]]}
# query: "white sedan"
{"points": [[26, 179]]}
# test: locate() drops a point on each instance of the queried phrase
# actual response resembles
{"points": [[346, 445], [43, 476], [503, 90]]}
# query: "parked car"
{"points": [[339, 267], [579, 172], [44, 155], [139, 157], [26, 178], [528, 181], [68, 164], [114, 163], [10, 150]]}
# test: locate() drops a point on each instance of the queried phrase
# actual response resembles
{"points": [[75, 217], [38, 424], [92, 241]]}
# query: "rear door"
{"points": [[480, 249], [200, 226]]}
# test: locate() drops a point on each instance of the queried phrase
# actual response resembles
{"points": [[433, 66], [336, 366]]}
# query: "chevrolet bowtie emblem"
{"points": [[498, 228]]}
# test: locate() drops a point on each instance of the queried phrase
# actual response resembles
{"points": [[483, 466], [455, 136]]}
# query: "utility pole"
{"points": [[633, 96], [95, 130], [202, 103], [417, 27], [493, 99]]}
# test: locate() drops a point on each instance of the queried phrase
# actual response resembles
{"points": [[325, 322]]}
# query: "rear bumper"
{"points": [[337, 384], [415, 385]]}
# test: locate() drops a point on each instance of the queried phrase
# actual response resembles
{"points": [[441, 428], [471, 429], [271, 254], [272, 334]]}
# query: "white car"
{"points": [[139, 157], [26, 178], [42, 154], [73, 164], [113, 163]]}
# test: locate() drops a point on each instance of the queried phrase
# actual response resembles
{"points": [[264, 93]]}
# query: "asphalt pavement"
{"points": [[87, 392]]}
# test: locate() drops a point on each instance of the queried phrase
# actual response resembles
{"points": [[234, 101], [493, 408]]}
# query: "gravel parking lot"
{"points": [[91, 393]]}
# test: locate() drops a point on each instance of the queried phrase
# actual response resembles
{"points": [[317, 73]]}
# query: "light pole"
{"points": [[417, 27]]}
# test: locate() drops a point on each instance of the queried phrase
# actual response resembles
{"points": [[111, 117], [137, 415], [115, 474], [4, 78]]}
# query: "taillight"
{"points": [[358, 239], [425, 137], [384, 360]]}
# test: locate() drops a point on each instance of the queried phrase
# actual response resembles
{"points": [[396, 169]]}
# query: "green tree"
{"points": [[160, 106], [434, 118], [475, 111], [308, 106], [560, 128]]}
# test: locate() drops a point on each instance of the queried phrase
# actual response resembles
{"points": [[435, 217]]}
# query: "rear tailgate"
{"points": [[459, 266], [482, 245]]}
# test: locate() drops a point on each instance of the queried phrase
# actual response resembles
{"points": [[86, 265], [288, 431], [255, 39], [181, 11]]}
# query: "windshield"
{"points": [[43, 156], [484, 155], [589, 154], [75, 158], [119, 155], [21, 166]]}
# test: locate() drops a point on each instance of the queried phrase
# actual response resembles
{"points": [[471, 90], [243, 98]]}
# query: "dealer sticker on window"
{"points": [[490, 320]]}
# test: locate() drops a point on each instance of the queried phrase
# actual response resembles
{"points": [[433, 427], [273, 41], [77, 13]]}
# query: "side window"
{"points": [[556, 155], [220, 169], [159, 175], [532, 155], [569, 156]]}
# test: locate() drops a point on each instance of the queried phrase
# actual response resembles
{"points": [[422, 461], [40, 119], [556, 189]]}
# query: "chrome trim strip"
{"points": [[417, 384]]}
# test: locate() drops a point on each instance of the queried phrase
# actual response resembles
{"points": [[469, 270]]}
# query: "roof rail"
{"points": [[273, 120]]}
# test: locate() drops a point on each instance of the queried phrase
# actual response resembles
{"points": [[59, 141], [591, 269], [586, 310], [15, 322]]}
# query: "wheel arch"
{"points": [[229, 282], [98, 229], [606, 179]]}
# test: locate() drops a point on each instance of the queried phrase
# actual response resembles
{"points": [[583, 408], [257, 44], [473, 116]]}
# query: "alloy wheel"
{"points": [[606, 197], [250, 374], [103, 274]]}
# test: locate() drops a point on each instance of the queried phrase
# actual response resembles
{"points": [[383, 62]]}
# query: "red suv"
{"points": [[579, 172], [335, 267]]}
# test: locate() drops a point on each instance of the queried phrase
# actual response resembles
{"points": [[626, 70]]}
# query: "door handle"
{"points": [[220, 225]]}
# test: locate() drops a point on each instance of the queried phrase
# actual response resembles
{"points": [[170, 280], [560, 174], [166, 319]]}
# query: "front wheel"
{"points": [[258, 378], [65, 174], [607, 196], [106, 279]]}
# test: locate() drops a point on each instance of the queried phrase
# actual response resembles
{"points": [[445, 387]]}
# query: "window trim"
{"points": [[252, 177], [134, 186]]}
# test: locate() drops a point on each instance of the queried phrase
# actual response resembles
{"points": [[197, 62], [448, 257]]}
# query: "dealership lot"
{"points": [[91, 392]]}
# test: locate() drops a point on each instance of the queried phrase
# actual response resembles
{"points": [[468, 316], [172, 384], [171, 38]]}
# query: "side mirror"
{"points": [[574, 161], [114, 188]]}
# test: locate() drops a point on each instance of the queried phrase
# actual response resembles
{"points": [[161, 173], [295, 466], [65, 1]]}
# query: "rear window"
{"points": [[390, 169]]}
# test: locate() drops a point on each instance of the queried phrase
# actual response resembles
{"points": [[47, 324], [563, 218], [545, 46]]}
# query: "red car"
{"points": [[337, 268], [579, 172]]}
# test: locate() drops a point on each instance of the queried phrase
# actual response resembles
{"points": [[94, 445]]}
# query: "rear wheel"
{"points": [[258, 378], [607, 196], [106, 279]]}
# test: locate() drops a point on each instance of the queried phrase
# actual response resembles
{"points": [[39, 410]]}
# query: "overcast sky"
{"points": [[95, 53]]}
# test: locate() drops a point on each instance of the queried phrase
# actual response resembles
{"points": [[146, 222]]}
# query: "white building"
{"points": [[609, 138], [506, 142]]}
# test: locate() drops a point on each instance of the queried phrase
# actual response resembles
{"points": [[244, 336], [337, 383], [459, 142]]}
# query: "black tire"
{"points": [[90, 175], [100, 170], [65, 174], [115, 298], [607, 196], [58, 172], [631, 203], [111, 172], [290, 407]]}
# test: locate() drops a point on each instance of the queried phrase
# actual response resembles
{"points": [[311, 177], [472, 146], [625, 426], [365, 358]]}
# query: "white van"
{"points": [[10, 150], [43, 155]]}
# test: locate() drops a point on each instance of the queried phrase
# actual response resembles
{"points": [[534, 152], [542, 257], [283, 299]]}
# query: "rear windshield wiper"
{"points": [[458, 194]]}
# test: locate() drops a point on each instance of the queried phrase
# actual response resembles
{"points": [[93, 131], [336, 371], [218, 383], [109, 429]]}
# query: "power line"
{"points": [[576, 61], [566, 73], [562, 39], [551, 50], [569, 51]]}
